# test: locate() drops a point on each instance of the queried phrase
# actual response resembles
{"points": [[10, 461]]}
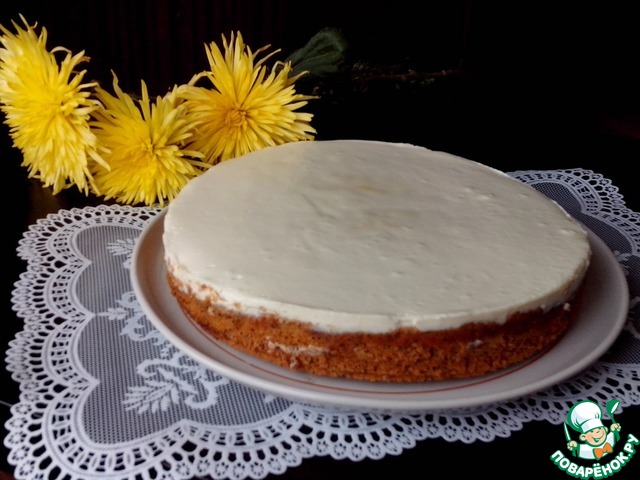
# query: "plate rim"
{"points": [[315, 387]]}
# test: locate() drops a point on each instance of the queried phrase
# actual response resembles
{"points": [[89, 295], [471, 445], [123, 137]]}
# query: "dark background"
{"points": [[509, 72], [517, 85]]}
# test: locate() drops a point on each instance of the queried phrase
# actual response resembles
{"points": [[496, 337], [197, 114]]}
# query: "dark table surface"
{"points": [[522, 120], [528, 450]]}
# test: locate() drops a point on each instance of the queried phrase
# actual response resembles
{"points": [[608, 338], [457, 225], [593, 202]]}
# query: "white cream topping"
{"points": [[353, 235]]}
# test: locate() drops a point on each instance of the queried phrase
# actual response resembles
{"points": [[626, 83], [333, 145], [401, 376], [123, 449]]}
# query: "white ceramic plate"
{"points": [[603, 316]]}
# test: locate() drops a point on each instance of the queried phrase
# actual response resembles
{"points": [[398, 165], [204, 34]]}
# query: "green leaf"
{"points": [[324, 54]]}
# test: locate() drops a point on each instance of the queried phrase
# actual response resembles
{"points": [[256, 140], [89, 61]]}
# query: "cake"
{"points": [[374, 261]]}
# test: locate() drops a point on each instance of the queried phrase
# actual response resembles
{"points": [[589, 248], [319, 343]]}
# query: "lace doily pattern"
{"points": [[142, 409]]}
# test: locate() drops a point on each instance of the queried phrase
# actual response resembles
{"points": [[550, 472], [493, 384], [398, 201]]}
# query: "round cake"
{"points": [[374, 261]]}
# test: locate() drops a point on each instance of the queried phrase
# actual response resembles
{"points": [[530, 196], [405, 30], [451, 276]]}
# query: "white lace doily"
{"points": [[104, 395]]}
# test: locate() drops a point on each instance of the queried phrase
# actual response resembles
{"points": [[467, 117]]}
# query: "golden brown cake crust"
{"points": [[405, 355]]}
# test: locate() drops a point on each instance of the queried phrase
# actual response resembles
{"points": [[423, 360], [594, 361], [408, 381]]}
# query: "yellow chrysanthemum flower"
{"points": [[145, 147], [248, 107], [47, 109]]}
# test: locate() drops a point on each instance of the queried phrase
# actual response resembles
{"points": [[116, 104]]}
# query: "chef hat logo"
{"points": [[585, 416]]}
